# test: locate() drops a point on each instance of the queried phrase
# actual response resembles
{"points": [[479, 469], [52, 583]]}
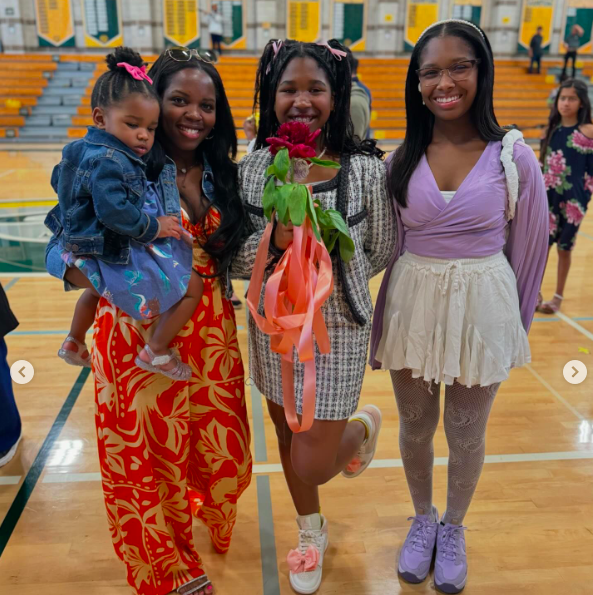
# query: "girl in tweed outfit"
{"points": [[311, 83]]}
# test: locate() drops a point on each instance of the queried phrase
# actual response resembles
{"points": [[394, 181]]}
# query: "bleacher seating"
{"points": [[47, 98]]}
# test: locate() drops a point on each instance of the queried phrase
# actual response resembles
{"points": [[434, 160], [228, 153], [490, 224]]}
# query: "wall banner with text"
{"points": [[54, 23], [181, 23], [349, 23], [102, 23], [580, 12], [536, 13], [303, 20], [467, 10], [419, 15]]}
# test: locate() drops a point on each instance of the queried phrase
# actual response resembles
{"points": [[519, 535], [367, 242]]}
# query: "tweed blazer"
{"points": [[361, 197]]}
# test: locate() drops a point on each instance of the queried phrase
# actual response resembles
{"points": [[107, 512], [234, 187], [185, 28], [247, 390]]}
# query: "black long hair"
{"points": [[338, 131], [117, 84], [220, 151], [583, 115], [420, 120]]}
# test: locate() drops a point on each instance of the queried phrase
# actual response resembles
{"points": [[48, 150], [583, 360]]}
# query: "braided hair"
{"points": [[117, 84], [338, 131]]}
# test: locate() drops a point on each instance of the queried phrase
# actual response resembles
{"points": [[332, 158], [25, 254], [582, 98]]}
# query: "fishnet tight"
{"points": [[465, 418]]}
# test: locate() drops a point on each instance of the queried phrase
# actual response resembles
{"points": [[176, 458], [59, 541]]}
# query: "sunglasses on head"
{"points": [[180, 54]]}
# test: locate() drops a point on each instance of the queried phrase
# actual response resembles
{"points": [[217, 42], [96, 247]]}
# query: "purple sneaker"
{"points": [[416, 555], [450, 569]]}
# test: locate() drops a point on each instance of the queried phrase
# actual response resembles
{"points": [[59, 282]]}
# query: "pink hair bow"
{"points": [[276, 45], [137, 72], [338, 54], [306, 562]]}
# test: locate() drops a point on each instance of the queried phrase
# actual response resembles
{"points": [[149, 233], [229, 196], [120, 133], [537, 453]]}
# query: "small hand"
{"points": [[187, 237], [170, 227], [283, 235]]}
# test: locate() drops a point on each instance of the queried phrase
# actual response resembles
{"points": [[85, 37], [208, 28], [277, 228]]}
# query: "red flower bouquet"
{"points": [[302, 280]]}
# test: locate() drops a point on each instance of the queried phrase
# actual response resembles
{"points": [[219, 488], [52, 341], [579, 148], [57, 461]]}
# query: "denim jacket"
{"points": [[101, 184]]}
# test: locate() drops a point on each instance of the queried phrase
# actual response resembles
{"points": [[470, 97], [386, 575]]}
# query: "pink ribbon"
{"points": [[137, 72], [306, 562], [294, 293], [338, 54], [276, 45]]}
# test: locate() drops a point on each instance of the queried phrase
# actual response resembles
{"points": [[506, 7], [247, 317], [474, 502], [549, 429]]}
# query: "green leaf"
{"points": [[325, 163], [282, 164], [312, 215], [324, 219], [338, 221], [346, 247], [269, 198], [297, 203], [332, 239], [271, 171], [282, 196]]}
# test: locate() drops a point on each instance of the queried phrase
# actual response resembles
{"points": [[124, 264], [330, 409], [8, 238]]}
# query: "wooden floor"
{"points": [[530, 525]]}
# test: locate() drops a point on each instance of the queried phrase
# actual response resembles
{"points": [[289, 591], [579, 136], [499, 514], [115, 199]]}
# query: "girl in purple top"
{"points": [[458, 299]]}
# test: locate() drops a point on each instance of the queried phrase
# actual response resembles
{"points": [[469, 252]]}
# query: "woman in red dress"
{"points": [[169, 449]]}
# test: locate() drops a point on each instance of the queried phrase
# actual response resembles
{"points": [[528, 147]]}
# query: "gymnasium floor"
{"points": [[530, 526]]}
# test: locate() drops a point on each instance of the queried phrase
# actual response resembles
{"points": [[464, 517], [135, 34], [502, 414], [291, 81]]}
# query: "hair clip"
{"points": [[338, 54], [462, 22], [276, 45], [137, 72]]}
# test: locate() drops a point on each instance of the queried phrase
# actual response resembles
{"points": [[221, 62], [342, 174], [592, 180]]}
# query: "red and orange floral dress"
{"points": [[169, 449]]}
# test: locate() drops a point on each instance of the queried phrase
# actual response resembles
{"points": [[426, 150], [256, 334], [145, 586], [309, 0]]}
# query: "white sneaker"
{"points": [[6, 457], [306, 562], [371, 417]]}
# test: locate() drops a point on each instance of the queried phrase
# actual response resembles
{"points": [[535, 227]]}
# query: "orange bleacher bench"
{"points": [[9, 132], [15, 83], [12, 120], [30, 66], [27, 101], [24, 75]]}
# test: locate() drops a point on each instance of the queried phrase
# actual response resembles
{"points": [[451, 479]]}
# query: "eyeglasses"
{"points": [[430, 77], [181, 54]]}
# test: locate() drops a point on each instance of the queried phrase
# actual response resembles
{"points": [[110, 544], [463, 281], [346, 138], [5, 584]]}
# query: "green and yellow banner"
{"points": [[468, 10], [580, 12], [419, 15], [303, 20], [349, 23], [181, 23], [54, 23], [102, 23], [234, 26], [536, 13]]}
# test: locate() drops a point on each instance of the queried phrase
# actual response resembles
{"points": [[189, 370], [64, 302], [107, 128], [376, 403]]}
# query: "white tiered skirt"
{"points": [[453, 320]]}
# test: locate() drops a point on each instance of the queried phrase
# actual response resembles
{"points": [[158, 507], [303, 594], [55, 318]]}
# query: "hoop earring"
{"points": [[211, 135], [420, 91]]}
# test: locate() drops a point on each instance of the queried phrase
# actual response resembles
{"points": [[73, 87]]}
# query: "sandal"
{"points": [[551, 307], [540, 299], [181, 371], [202, 583], [74, 358]]}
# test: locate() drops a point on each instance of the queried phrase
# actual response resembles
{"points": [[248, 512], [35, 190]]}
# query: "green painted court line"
{"points": [[259, 434], [267, 540], [11, 283], [20, 502]]}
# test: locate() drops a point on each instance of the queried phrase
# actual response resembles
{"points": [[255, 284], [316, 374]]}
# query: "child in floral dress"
{"points": [[567, 158]]}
